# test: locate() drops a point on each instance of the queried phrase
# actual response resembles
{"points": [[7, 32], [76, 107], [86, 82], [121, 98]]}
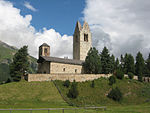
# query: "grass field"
{"points": [[136, 96], [30, 95]]}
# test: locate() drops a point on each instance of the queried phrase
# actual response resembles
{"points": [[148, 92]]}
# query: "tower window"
{"points": [[75, 70], [45, 50], [86, 37]]}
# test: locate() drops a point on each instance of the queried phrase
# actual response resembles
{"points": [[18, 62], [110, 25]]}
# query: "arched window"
{"points": [[45, 50], [75, 70], [86, 37]]}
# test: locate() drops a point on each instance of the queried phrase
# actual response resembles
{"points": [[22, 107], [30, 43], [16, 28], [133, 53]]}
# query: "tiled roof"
{"points": [[60, 60]]}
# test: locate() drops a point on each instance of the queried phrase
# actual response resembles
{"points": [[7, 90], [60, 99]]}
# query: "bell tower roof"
{"points": [[45, 44], [86, 26], [78, 27]]}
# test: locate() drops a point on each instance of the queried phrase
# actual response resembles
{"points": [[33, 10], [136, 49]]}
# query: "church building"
{"points": [[82, 43]]}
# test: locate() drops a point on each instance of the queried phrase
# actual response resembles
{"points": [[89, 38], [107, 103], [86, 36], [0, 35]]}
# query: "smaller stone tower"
{"points": [[44, 50], [82, 41]]}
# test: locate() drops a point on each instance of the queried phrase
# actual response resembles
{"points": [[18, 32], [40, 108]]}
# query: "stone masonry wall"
{"points": [[63, 77], [72, 77], [65, 68]]}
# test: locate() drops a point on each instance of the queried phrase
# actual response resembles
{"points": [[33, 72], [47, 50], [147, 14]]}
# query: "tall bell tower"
{"points": [[82, 41]]}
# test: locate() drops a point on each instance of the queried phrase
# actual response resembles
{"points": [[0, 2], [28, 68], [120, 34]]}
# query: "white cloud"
{"points": [[17, 31], [123, 25], [29, 6]]}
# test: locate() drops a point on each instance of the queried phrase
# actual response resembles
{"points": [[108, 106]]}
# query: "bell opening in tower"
{"points": [[86, 37]]}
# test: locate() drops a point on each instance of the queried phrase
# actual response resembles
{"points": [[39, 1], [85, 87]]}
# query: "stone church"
{"points": [[82, 42]]}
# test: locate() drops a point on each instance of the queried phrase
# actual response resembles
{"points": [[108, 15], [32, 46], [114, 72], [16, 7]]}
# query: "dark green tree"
{"points": [[119, 74], [105, 61], [117, 66], [125, 63], [130, 75], [115, 94], [67, 83], [112, 58], [73, 91], [92, 64], [112, 80], [129, 65], [147, 67], [20, 64], [139, 65]]}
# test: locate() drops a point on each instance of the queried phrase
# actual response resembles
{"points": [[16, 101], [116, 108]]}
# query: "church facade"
{"points": [[82, 42]]}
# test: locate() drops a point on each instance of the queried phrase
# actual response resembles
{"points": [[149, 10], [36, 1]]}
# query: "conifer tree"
{"points": [[73, 91], [147, 66], [125, 63], [129, 65], [139, 65], [117, 66], [105, 61], [92, 64], [20, 64], [112, 58]]}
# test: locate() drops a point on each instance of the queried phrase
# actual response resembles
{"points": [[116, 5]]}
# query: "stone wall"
{"points": [[72, 77], [65, 68], [63, 77]]}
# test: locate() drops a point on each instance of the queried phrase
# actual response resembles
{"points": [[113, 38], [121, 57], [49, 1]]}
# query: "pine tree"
{"points": [[129, 65], [73, 91], [20, 64], [92, 64], [139, 65], [147, 67], [105, 61], [112, 58], [125, 63], [117, 66]]}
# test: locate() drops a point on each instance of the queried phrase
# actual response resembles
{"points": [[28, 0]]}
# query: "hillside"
{"points": [[23, 94], [30, 95], [134, 93], [6, 56]]}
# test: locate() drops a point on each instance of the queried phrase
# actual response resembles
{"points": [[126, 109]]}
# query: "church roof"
{"points": [[45, 44], [60, 60]]}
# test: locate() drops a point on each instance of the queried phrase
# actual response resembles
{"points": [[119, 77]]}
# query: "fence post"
{"points": [[48, 110], [63, 110], [10, 110], [31, 111], [75, 110]]}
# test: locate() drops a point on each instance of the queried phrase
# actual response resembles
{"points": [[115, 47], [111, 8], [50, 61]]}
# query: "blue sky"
{"points": [[60, 15]]}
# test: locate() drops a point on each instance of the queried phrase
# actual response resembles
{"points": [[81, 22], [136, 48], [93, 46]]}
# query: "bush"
{"points": [[73, 91], [115, 94], [93, 84], [130, 75], [67, 83], [119, 74], [112, 80]]}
